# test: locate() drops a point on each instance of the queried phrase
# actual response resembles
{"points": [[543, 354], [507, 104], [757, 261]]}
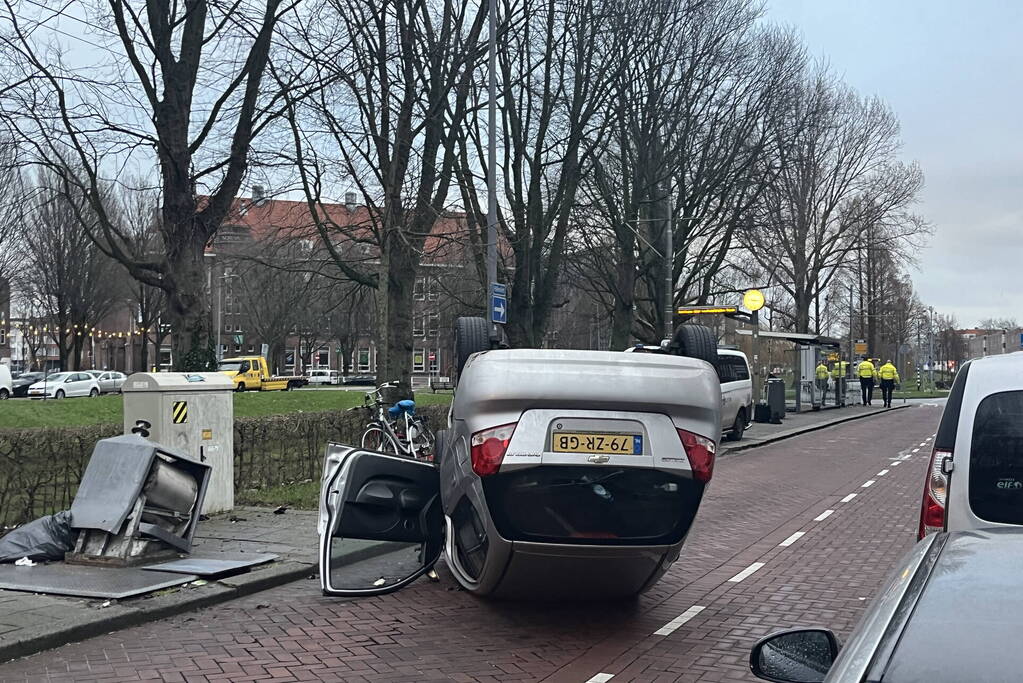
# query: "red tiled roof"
{"points": [[288, 218]]}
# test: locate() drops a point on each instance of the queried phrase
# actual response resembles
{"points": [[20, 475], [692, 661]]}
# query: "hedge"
{"points": [[40, 468]]}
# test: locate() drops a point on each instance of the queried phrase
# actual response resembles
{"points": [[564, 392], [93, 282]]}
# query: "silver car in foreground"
{"points": [[562, 474], [951, 612]]}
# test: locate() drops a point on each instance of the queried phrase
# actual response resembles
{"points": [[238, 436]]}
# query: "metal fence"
{"points": [[40, 468]]}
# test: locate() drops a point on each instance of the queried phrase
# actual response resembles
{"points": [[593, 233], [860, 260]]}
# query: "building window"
{"points": [[223, 349], [434, 326], [434, 290], [227, 327], [237, 348], [363, 360], [3, 336], [323, 357], [418, 325], [237, 327], [289, 358], [252, 349], [419, 289], [418, 360], [434, 359]]}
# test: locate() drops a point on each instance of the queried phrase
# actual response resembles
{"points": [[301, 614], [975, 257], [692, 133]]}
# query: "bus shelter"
{"points": [[794, 357]]}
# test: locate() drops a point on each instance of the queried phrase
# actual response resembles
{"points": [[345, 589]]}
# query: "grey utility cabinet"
{"points": [[192, 413]]}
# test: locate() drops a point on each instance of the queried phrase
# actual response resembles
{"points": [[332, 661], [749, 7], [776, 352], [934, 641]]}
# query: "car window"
{"points": [[996, 459], [739, 368], [948, 427], [726, 372]]}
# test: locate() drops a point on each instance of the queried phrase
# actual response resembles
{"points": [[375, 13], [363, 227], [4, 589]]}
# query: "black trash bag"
{"points": [[46, 538]]}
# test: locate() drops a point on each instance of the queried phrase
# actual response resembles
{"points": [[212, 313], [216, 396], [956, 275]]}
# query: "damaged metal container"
{"points": [[138, 501]]}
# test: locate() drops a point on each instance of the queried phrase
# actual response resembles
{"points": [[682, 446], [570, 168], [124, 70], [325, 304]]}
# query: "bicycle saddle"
{"points": [[406, 405]]}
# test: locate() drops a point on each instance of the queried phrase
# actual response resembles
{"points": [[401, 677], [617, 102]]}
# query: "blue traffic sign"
{"points": [[498, 304]]}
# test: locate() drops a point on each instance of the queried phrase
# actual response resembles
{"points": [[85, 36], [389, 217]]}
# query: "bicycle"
{"points": [[396, 429]]}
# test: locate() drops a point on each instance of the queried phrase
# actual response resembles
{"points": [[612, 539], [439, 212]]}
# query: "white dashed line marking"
{"points": [[915, 450], [896, 463], [791, 539], [673, 625], [868, 483], [601, 678], [848, 498], [882, 473], [745, 573], [923, 444], [824, 515]]}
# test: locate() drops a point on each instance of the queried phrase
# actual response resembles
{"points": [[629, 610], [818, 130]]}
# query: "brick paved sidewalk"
{"points": [[32, 622], [794, 424]]}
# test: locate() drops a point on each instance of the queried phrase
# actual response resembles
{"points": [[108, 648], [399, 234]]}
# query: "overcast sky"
{"points": [[952, 72]]}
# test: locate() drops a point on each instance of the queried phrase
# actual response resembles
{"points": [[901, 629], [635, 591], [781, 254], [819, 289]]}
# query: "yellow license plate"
{"points": [[585, 442]]}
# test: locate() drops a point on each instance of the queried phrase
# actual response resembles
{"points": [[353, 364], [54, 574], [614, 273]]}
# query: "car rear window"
{"points": [[732, 369], [996, 459], [592, 505]]}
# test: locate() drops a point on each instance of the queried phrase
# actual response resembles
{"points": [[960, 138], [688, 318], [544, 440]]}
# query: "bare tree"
{"points": [[70, 281], [1007, 323], [838, 179], [179, 86], [692, 116], [400, 72], [140, 211]]}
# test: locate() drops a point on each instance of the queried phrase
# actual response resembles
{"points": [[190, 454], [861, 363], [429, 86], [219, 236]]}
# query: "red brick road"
{"points": [[432, 631]]}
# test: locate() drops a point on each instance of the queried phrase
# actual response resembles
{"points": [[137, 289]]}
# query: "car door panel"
{"points": [[391, 501]]}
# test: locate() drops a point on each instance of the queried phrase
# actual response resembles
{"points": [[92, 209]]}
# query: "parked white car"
{"points": [[110, 381], [65, 385], [736, 392], [6, 386], [975, 477], [323, 376]]}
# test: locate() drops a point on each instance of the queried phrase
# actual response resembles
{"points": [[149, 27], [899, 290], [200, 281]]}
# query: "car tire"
{"points": [[60, 394], [93, 393], [240, 388], [4, 394], [439, 444], [695, 341], [472, 335], [738, 427]]}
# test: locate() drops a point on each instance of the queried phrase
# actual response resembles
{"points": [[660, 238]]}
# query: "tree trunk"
{"points": [[143, 354], [188, 308], [622, 314], [394, 301]]}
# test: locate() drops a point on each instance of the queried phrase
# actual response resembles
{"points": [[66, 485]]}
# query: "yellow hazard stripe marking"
{"points": [[180, 412]]}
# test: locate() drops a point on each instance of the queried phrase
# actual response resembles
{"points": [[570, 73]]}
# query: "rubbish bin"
{"points": [[776, 399], [192, 413]]}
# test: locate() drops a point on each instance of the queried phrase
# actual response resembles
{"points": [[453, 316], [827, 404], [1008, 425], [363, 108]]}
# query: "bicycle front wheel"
{"points": [[376, 439]]}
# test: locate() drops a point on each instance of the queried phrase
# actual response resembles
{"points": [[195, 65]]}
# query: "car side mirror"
{"points": [[797, 656]]}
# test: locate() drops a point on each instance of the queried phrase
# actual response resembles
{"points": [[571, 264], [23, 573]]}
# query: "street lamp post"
{"points": [[930, 360], [492, 175]]}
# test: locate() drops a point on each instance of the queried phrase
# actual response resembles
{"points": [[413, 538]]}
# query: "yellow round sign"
{"points": [[753, 300]]}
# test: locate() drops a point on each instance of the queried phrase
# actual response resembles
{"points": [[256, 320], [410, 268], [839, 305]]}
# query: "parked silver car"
{"points": [[975, 477], [950, 612], [562, 474], [110, 381], [65, 385]]}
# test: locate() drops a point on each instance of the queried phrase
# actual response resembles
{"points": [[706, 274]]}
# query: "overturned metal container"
{"points": [[137, 501]]}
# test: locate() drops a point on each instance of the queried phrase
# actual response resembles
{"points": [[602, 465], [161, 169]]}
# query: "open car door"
{"points": [[381, 523]]}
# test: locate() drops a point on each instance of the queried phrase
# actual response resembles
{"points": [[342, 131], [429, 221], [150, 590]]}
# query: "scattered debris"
{"points": [[204, 518], [380, 582], [235, 520], [47, 538], [24, 562], [199, 582], [281, 510], [263, 605], [432, 575], [105, 604]]}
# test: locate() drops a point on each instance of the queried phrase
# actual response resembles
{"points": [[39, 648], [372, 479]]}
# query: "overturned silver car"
{"points": [[561, 474]]}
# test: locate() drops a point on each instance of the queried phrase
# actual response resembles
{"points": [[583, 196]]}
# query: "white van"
{"points": [[323, 376], [736, 393], [6, 387]]}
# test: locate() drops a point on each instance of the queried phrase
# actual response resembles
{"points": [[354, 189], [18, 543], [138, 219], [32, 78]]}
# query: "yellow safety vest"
{"points": [[888, 371], [822, 371], [839, 369], [865, 369]]}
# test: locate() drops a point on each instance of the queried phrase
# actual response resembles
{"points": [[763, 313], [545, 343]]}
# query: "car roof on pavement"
{"points": [[966, 624]]}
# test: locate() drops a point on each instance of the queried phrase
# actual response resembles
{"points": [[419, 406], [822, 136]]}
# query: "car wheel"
{"points": [[4, 394], [472, 335], [93, 393], [738, 427], [59, 394], [240, 387], [695, 341]]}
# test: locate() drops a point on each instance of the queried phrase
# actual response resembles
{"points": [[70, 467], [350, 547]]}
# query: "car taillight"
{"points": [[700, 450], [488, 447], [932, 511]]}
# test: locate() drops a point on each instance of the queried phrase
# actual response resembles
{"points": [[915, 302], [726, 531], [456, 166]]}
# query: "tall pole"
{"points": [[931, 359], [492, 168], [669, 270], [220, 317]]}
